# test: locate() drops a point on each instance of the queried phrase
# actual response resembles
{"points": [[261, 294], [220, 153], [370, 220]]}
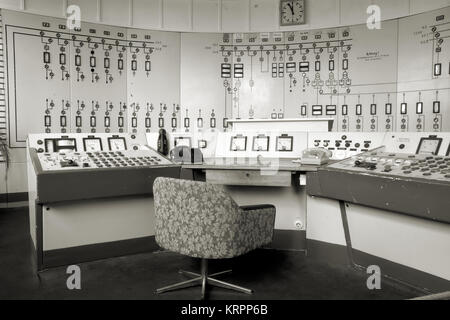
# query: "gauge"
{"points": [[49, 145], [429, 145], [238, 143], [260, 143], [182, 142], [285, 143], [92, 144], [117, 144], [64, 144]]}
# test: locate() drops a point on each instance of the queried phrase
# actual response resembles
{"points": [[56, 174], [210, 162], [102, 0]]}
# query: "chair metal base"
{"points": [[203, 280]]}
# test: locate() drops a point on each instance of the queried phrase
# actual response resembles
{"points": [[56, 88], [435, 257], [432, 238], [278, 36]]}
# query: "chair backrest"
{"points": [[195, 218]]}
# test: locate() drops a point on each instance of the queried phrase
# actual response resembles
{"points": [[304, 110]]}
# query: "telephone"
{"points": [[184, 154], [163, 143], [315, 156]]}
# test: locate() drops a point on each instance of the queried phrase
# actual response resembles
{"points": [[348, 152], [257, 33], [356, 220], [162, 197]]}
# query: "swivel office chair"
{"points": [[201, 220]]}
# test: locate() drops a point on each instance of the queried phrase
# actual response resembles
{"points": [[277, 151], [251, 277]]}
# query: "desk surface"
{"points": [[251, 164]]}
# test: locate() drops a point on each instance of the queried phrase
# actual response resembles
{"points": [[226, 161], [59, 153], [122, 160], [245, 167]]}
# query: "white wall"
{"points": [[221, 15]]}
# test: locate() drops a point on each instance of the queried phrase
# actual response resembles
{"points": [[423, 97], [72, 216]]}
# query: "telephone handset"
{"points": [[163, 143], [184, 154], [315, 156]]}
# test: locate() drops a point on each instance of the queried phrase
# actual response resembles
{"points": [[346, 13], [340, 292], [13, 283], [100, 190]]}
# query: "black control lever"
{"points": [[366, 165]]}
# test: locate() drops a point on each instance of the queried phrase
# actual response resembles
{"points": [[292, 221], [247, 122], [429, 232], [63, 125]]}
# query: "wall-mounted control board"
{"points": [[103, 79], [95, 78], [395, 78]]}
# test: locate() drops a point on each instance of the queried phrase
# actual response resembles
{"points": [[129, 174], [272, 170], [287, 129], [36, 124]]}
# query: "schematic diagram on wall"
{"points": [[362, 78], [92, 79]]}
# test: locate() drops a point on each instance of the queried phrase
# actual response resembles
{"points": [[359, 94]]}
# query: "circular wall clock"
{"points": [[292, 12]]}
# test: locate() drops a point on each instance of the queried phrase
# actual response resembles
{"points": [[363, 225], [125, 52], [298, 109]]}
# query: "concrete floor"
{"points": [[271, 274]]}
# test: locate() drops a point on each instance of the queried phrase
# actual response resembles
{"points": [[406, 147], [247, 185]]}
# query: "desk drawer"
{"points": [[249, 178]]}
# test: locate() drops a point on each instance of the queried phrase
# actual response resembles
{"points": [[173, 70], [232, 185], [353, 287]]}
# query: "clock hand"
{"points": [[291, 6]]}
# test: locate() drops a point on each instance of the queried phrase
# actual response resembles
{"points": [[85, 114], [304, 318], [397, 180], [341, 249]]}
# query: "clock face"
{"points": [[292, 12]]}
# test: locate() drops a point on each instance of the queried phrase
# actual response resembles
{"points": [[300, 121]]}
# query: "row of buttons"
{"points": [[118, 159], [338, 144], [429, 166]]}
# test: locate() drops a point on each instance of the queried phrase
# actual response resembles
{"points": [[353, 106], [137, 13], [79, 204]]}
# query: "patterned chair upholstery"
{"points": [[201, 220]]}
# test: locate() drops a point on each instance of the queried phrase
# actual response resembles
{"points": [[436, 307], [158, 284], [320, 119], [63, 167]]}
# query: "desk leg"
{"points": [[348, 240]]}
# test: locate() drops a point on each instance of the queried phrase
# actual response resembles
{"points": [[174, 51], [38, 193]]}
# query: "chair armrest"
{"points": [[259, 222]]}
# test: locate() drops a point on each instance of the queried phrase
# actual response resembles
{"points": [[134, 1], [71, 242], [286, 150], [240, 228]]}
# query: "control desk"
{"points": [[414, 182], [92, 190]]}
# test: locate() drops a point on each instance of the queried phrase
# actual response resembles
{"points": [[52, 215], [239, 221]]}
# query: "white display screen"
{"points": [[261, 143], [429, 146], [238, 143]]}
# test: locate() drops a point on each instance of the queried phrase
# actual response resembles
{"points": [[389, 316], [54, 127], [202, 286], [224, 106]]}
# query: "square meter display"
{"points": [[92, 144], [429, 145], [117, 143], [238, 143]]}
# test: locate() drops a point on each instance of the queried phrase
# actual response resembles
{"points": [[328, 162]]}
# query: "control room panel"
{"points": [[345, 144], [423, 165], [261, 143], [85, 142], [407, 156], [86, 151], [342, 145]]}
